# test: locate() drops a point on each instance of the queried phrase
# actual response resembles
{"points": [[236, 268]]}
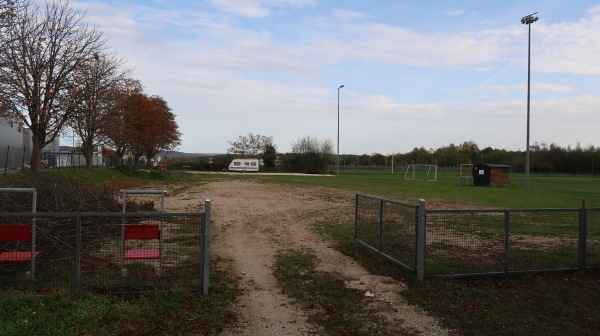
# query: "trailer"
{"points": [[244, 165]]}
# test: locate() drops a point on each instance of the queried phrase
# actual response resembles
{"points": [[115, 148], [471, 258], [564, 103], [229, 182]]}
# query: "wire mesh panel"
{"points": [[490, 241], [461, 242], [127, 254], [89, 251], [593, 238], [468, 242], [368, 211], [544, 239], [398, 231], [17, 250], [387, 227], [54, 240]]}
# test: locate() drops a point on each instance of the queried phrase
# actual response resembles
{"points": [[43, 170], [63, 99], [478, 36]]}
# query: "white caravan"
{"points": [[244, 165]]}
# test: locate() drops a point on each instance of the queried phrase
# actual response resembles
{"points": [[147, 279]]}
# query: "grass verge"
{"points": [[337, 309], [68, 312]]}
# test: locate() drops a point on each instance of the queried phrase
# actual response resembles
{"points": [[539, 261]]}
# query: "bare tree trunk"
{"points": [[36, 152], [88, 154], [119, 155]]}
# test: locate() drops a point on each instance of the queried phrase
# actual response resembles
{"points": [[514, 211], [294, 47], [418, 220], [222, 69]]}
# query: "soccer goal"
{"points": [[421, 172], [465, 174], [465, 169]]}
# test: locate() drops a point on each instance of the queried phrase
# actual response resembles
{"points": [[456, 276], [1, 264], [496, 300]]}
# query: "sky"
{"points": [[415, 73]]}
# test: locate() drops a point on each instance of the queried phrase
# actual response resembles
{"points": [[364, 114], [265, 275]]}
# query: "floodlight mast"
{"points": [[528, 20], [338, 132]]}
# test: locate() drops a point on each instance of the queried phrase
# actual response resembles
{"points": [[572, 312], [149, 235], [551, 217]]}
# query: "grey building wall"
{"points": [[10, 136]]}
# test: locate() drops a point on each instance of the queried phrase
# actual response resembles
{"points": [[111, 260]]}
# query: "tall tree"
{"points": [[151, 126], [115, 125], [249, 146], [162, 131], [40, 53], [269, 155], [311, 155], [90, 100]]}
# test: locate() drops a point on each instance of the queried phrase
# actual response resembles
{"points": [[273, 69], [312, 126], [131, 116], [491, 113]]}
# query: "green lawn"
{"points": [[544, 192]]}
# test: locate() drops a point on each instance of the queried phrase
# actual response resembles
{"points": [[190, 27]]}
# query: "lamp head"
{"points": [[341, 86], [529, 19]]}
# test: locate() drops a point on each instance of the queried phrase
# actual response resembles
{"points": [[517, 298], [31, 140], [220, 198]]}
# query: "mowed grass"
{"points": [[547, 304], [37, 310], [544, 192]]}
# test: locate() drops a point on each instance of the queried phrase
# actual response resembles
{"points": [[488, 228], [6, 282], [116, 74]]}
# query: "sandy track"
{"points": [[253, 221]]}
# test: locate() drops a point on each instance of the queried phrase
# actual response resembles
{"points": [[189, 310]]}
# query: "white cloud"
{"points": [[568, 47], [549, 87], [257, 8]]}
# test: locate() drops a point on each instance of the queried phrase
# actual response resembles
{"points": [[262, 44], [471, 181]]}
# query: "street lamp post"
{"points": [[338, 133], [528, 20]]}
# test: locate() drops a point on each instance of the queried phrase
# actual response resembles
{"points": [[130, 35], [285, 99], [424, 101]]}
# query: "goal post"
{"points": [[421, 172]]}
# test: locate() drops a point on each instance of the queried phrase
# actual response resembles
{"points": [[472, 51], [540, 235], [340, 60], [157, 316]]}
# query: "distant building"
{"points": [[491, 175], [10, 136], [15, 146]]}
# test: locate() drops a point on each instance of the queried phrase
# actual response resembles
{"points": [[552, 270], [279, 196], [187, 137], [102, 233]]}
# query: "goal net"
{"points": [[421, 172]]}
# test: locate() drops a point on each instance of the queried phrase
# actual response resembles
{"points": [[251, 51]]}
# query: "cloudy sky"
{"points": [[415, 73]]}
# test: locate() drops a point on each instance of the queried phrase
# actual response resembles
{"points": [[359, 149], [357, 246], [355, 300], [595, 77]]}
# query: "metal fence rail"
{"points": [[469, 242], [86, 251]]}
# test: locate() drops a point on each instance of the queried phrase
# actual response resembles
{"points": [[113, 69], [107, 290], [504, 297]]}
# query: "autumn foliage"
{"points": [[150, 125]]}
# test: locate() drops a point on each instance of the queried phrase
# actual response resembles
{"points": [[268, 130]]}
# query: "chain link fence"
{"points": [[99, 252], [470, 242], [17, 159]]}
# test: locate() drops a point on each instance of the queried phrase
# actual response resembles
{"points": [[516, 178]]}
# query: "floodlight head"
{"points": [[341, 86], [529, 19]]}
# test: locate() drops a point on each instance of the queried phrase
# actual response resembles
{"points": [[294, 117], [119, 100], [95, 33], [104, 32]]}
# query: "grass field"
{"points": [[549, 304], [544, 192]]}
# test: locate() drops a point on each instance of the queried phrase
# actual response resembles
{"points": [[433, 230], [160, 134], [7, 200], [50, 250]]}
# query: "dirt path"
{"points": [[253, 221]]}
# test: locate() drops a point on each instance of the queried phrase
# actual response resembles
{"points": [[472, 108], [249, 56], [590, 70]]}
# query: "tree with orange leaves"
{"points": [[115, 128], [151, 126]]}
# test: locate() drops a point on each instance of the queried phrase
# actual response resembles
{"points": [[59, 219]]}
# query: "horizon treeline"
{"points": [[544, 158]]}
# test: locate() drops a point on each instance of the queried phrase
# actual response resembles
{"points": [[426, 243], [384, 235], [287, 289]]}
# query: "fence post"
{"points": [[380, 225], [356, 217], [78, 253], [506, 240], [6, 163], [205, 254], [33, 230], [23, 163], [582, 250], [421, 224]]}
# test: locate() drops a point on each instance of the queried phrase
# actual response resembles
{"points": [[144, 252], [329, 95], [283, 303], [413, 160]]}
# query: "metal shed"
{"points": [[491, 175]]}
